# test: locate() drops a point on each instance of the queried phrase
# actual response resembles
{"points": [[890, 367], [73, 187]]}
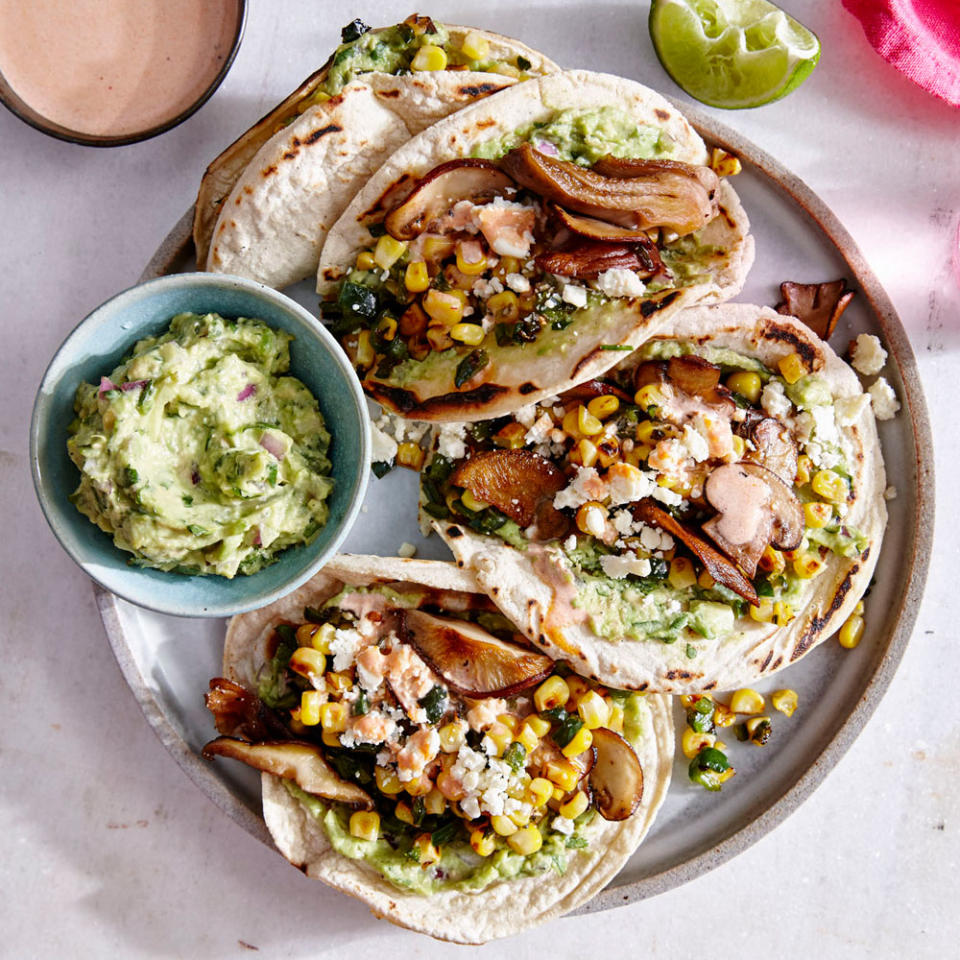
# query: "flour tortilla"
{"points": [[500, 910], [754, 649], [266, 203], [516, 375]]}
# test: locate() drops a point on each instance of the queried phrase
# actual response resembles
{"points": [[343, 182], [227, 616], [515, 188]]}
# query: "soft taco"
{"points": [[418, 755], [702, 516], [511, 250], [266, 202]]}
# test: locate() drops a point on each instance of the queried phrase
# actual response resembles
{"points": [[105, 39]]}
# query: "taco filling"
{"points": [[427, 740], [689, 491]]}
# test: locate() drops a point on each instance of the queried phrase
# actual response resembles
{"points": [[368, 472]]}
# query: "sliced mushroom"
{"points": [[630, 168], [616, 777], [239, 713], [292, 760], [469, 179], [519, 483], [718, 566], [471, 661], [774, 448], [818, 305], [754, 508], [594, 229], [700, 378], [667, 195], [587, 259], [586, 391]]}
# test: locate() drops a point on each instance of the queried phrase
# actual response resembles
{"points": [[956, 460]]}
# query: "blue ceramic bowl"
{"points": [[100, 342]]}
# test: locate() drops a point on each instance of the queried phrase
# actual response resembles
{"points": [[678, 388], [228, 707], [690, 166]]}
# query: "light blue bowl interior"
{"points": [[100, 342]]}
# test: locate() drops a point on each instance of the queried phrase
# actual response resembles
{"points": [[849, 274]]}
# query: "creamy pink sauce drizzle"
{"points": [[113, 67], [740, 500]]}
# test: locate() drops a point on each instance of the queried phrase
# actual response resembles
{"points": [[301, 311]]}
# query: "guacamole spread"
{"points": [[198, 454]]}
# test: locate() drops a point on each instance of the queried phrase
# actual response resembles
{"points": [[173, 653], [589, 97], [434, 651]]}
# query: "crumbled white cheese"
{"points": [[540, 430], [626, 483], [487, 288], [344, 647], [594, 521], [401, 429], [570, 543], [575, 295], [406, 550], [450, 441], [577, 493], [620, 282], [526, 415], [884, 400], [562, 825], [868, 355], [890, 493], [696, 444], [666, 496], [517, 282], [618, 567], [850, 409], [383, 448], [624, 523], [774, 400]]}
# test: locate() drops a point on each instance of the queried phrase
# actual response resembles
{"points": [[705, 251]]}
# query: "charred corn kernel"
{"points": [[687, 700], [520, 817], [785, 701], [472, 268], [508, 265], [339, 682], [591, 518], [681, 575], [748, 385], [365, 261], [296, 725], [582, 740], [763, 612], [322, 639], [429, 57], [817, 515], [593, 711], [475, 46], [435, 802], [829, 485], [308, 662], [501, 736], [306, 632], [615, 722], [509, 721], [526, 841], [804, 464], [759, 729], [851, 632], [541, 790], [608, 452], [365, 352], [419, 787], [604, 406], [559, 793], [416, 278], [442, 307], [782, 613], [387, 780], [645, 431], [483, 843], [705, 580], [330, 739], [511, 436], [739, 447], [333, 717], [365, 825], [410, 455], [449, 786], [693, 741], [587, 423], [858, 609], [584, 453], [575, 806], [772, 561], [505, 69], [747, 700], [403, 812], [808, 565], [469, 333], [792, 367], [437, 248], [503, 826], [472, 503], [427, 851], [723, 716], [724, 164], [577, 687], [563, 774], [648, 396], [504, 307], [311, 705], [527, 737], [553, 692], [388, 251], [638, 454], [570, 423], [538, 725]]}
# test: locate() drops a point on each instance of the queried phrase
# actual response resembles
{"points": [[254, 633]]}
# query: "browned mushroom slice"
{"points": [[240, 713], [616, 777], [700, 378], [303, 763], [718, 566], [630, 168], [519, 483], [775, 448], [671, 196], [818, 305], [468, 659], [476, 180], [587, 259], [651, 371], [586, 391], [594, 229], [754, 508]]}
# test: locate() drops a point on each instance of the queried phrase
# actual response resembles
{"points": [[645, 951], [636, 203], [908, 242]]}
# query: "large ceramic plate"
{"points": [[168, 661]]}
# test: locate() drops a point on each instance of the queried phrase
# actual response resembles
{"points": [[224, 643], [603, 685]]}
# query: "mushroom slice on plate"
{"points": [[585, 259], [616, 777], [818, 305], [475, 180], [594, 229], [292, 760], [774, 449], [471, 661], [240, 713]]}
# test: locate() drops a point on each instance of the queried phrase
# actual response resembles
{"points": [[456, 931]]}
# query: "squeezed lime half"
{"points": [[732, 53]]}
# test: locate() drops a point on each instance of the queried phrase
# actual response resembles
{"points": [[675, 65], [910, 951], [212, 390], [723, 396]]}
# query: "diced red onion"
{"points": [[547, 148], [194, 476], [256, 538], [248, 391], [273, 446], [106, 385], [133, 385]]}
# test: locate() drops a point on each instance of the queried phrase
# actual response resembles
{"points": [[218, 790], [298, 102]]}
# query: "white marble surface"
{"points": [[108, 850]]}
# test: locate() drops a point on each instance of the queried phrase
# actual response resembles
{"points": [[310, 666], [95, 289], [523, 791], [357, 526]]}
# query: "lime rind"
{"points": [[732, 53]]}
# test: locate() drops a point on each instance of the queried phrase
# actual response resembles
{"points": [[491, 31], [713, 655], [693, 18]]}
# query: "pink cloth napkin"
{"points": [[921, 38]]}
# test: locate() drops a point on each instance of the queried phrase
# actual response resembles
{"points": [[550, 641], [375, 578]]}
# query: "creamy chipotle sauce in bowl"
{"points": [[114, 71]]}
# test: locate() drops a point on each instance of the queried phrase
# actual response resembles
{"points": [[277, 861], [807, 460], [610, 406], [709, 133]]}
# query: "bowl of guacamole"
{"points": [[199, 445]]}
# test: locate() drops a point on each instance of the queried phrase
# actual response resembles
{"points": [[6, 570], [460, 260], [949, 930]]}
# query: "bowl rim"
{"points": [[50, 507], [21, 109]]}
